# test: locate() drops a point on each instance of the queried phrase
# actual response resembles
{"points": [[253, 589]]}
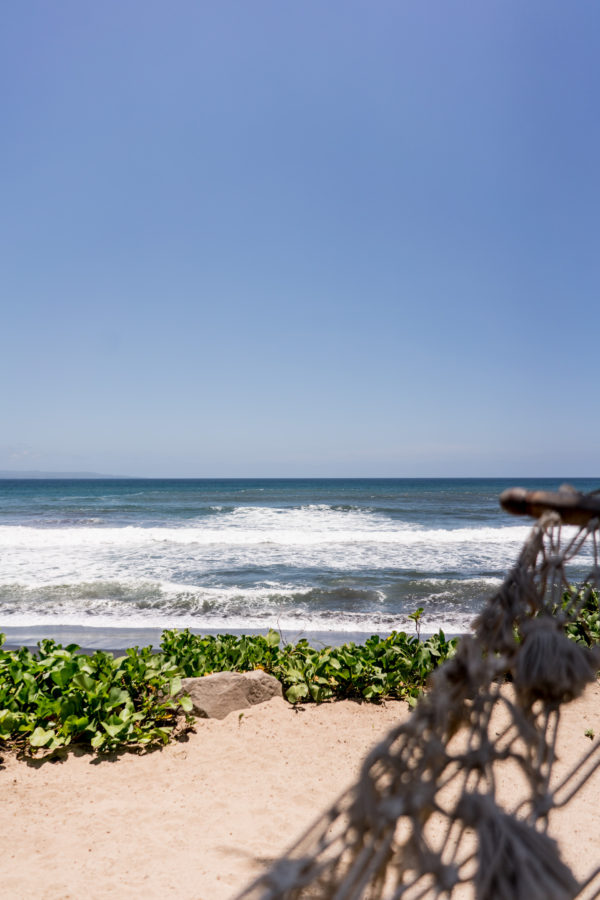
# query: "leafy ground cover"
{"points": [[394, 667], [585, 628], [58, 696]]}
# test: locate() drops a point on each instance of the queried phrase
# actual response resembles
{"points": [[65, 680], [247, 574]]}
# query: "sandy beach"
{"points": [[201, 818]]}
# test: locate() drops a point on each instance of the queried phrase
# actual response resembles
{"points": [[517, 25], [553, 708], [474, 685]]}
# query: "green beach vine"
{"points": [[57, 696]]}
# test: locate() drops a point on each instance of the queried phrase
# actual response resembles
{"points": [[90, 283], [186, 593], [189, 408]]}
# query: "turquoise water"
{"points": [[115, 561]]}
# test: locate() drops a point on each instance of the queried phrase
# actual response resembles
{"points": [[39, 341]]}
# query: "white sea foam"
{"points": [[21, 536], [492, 581], [297, 623], [208, 573], [142, 604], [187, 555]]}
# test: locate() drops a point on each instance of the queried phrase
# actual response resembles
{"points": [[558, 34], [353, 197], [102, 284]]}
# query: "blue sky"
{"points": [[300, 238]]}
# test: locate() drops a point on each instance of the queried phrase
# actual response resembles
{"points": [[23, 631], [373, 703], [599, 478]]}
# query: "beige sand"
{"points": [[201, 818]]}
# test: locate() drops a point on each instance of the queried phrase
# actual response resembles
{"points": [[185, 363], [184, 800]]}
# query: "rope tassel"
{"points": [[550, 667], [515, 862]]}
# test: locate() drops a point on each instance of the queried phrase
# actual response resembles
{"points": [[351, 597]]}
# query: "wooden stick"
{"points": [[573, 508]]}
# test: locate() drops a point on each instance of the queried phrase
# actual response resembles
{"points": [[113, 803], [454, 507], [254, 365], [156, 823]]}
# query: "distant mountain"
{"points": [[34, 473]]}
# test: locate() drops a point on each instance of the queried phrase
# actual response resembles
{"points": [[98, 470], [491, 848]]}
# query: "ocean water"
{"points": [[113, 562]]}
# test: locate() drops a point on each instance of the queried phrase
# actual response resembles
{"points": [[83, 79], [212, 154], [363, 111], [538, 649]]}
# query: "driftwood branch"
{"points": [[572, 507]]}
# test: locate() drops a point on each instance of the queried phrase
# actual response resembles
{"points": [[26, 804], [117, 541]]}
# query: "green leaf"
{"points": [[175, 685], [62, 676], [85, 682], [297, 692], [186, 703], [76, 724], [272, 638], [112, 729], [8, 721], [116, 697], [41, 737]]}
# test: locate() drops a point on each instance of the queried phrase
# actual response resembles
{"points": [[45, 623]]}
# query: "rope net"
{"points": [[427, 816]]}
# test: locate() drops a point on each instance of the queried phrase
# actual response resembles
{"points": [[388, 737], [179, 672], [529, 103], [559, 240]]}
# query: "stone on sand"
{"points": [[215, 696]]}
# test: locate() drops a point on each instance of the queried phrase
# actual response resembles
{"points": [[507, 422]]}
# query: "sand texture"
{"points": [[200, 819]]}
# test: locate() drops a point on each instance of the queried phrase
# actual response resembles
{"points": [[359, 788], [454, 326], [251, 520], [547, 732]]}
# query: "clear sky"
{"points": [[268, 237]]}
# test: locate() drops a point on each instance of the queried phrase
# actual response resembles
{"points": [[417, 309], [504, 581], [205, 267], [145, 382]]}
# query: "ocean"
{"points": [[111, 562]]}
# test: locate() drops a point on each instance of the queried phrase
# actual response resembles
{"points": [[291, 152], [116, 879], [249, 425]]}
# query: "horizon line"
{"points": [[35, 474]]}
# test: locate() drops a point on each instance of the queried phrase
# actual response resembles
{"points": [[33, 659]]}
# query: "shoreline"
{"points": [[116, 640]]}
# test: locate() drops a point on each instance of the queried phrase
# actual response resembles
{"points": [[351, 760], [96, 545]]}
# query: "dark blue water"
{"points": [[333, 556]]}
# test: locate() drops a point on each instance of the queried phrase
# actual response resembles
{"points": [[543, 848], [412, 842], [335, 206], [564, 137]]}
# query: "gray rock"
{"points": [[215, 696]]}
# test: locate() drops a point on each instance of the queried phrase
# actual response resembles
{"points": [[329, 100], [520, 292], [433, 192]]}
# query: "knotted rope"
{"points": [[426, 817]]}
